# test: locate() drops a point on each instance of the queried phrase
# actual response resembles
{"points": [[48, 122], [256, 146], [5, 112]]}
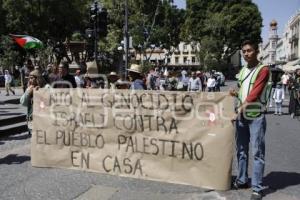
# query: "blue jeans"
{"points": [[253, 132]]}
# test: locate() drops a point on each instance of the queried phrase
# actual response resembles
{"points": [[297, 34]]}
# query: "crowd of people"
{"points": [[183, 81], [289, 84], [58, 76]]}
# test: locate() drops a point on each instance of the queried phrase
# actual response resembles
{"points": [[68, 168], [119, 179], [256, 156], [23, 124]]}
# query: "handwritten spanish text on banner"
{"points": [[176, 137]]}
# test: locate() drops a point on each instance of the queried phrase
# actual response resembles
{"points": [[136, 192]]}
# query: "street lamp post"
{"points": [[94, 17], [126, 39]]}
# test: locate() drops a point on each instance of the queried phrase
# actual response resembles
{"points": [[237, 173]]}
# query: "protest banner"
{"points": [[176, 137]]}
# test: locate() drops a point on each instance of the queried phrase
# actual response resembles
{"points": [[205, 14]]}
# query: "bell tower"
{"points": [[273, 38]]}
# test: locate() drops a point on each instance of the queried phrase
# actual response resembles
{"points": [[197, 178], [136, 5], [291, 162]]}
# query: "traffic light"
{"points": [[98, 19], [94, 12], [89, 33], [58, 49], [102, 26]]}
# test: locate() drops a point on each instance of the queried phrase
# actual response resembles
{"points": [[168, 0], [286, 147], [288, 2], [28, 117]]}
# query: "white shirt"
{"points": [[285, 78], [211, 82], [79, 81], [278, 95], [185, 80], [194, 84], [246, 83], [7, 78]]}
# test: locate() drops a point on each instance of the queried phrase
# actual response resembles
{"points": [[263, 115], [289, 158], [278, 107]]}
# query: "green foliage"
{"points": [[159, 19], [10, 53], [44, 54], [53, 19], [146, 67], [77, 36], [221, 27]]}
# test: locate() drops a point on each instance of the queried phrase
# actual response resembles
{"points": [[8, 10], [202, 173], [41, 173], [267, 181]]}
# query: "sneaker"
{"points": [[292, 115], [7, 95], [256, 195], [275, 113], [279, 113], [236, 185]]}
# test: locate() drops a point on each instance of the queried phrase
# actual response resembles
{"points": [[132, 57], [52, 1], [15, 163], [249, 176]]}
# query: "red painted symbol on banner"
{"points": [[212, 119], [42, 105]]}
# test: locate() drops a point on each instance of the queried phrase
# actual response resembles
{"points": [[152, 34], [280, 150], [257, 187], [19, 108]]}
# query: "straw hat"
{"points": [[35, 73], [135, 68], [91, 70], [112, 74]]}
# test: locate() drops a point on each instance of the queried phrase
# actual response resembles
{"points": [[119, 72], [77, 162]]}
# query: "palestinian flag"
{"points": [[27, 42]]}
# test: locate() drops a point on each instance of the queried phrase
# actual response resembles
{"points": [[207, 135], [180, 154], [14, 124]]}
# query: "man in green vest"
{"points": [[250, 119]]}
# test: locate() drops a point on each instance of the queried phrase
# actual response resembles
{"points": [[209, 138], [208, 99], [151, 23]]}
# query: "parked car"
{"points": [[222, 77]]}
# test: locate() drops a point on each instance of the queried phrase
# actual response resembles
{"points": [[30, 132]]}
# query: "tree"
{"points": [[221, 26], [11, 53], [45, 19], [2, 16], [243, 22], [54, 20], [150, 22]]}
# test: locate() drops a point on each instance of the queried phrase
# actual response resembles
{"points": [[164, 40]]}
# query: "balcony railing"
{"points": [[293, 56], [295, 36], [177, 52]]}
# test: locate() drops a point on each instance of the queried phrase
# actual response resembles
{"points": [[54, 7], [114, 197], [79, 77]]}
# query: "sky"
{"points": [[180, 3], [280, 10]]}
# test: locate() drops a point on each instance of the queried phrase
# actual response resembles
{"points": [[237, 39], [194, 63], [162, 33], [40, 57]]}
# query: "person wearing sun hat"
{"points": [[92, 76], [112, 79], [35, 81], [135, 73]]}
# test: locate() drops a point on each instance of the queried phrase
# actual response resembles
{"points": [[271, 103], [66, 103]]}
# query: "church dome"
{"points": [[273, 23]]}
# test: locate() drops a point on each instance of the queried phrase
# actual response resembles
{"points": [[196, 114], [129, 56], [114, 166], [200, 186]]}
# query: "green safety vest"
{"points": [[255, 109]]}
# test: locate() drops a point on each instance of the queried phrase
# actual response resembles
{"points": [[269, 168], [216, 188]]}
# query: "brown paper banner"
{"points": [[176, 137]]}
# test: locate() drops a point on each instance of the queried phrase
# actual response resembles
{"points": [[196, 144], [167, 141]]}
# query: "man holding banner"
{"points": [[250, 119]]}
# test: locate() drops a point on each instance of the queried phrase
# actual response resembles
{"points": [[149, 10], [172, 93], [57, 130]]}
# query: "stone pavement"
{"points": [[11, 98], [12, 114]]}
